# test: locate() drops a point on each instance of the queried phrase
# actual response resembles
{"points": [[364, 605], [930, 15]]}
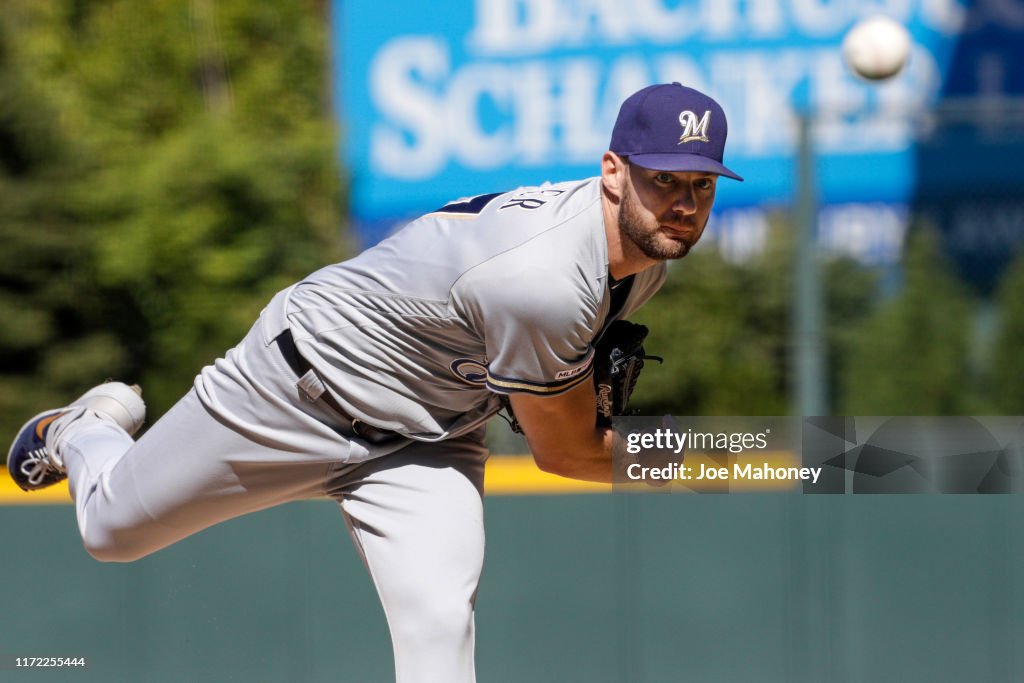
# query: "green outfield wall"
{"points": [[590, 588]]}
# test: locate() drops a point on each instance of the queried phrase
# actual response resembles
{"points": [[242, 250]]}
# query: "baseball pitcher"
{"points": [[371, 381]]}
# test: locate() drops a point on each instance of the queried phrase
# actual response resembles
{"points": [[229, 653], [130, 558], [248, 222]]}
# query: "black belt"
{"points": [[300, 366]]}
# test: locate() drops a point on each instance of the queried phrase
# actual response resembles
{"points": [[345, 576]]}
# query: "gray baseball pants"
{"points": [[245, 439]]}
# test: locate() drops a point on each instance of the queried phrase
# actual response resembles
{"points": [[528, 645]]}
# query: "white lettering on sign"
{"points": [[484, 115], [531, 27], [765, 18], [945, 16], [409, 144], [820, 18]]}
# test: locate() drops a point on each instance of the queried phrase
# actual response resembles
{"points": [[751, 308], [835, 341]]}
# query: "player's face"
{"points": [[664, 212]]}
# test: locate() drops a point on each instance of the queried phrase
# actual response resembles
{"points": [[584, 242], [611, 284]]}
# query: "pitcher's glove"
{"points": [[618, 359]]}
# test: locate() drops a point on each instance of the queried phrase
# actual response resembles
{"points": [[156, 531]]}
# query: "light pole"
{"points": [[808, 337]]}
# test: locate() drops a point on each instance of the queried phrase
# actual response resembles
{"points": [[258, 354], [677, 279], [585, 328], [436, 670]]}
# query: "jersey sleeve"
{"points": [[537, 327]]}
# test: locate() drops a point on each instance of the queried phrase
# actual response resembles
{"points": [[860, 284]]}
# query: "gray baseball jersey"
{"points": [[489, 295]]}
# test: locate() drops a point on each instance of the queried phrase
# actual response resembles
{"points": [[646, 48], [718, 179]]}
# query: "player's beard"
{"points": [[650, 239]]}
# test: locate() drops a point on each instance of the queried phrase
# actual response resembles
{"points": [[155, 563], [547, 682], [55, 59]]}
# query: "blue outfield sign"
{"points": [[450, 98]]}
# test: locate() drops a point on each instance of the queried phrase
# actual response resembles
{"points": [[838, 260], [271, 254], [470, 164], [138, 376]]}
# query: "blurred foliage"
{"points": [[721, 328], [912, 355], [165, 167], [724, 330], [1007, 365]]}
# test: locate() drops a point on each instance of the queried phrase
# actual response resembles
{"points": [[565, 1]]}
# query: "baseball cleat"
{"points": [[34, 465]]}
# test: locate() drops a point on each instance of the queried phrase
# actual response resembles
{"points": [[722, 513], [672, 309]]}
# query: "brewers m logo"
{"points": [[694, 130]]}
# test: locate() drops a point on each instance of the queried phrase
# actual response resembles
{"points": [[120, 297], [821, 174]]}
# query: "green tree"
{"points": [[850, 301], [1007, 369], [193, 154], [51, 341], [724, 330], [721, 343], [911, 357]]}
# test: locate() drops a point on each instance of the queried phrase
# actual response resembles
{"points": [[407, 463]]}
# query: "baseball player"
{"points": [[371, 380]]}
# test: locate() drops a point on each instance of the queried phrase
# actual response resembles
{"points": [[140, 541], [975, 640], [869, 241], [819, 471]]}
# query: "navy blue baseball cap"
{"points": [[670, 127]]}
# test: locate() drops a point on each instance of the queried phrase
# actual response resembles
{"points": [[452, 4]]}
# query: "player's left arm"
{"points": [[563, 434]]}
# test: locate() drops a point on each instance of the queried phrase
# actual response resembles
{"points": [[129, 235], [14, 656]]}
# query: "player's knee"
{"points": [[109, 547], [105, 552], [437, 622]]}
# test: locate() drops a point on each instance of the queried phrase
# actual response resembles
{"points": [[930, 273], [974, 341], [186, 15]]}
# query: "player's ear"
{"points": [[613, 174]]}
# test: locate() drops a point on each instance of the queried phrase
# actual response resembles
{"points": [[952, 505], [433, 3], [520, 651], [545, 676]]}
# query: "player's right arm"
{"points": [[563, 435]]}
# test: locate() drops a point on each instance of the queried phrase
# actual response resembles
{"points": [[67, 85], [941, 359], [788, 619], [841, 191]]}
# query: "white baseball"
{"points": [[876, 48]]}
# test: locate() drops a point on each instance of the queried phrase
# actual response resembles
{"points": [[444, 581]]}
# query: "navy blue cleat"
{"points": [[29, 460], [34, 465]]}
